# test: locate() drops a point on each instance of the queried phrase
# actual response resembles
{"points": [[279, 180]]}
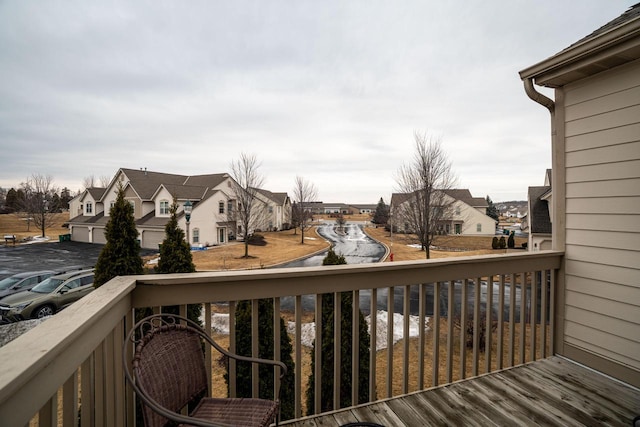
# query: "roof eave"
{"points": [[603, 51]]}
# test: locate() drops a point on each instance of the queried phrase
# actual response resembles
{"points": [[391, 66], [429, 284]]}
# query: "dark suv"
{"points": [[22, 281], [47, 297]]}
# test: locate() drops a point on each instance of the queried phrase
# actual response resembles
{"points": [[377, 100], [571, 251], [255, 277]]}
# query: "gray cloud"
{"points": [[331, 91]]}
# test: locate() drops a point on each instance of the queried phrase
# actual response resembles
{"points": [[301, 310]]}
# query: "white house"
{"points": [[468, 214], [151, 194]]}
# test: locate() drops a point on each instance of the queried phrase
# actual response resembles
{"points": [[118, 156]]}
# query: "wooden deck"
{"points": [[550, 392]]}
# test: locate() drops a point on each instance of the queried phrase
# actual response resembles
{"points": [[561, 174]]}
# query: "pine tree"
{"points": [[120, 256], [346, 334], [175, 257], [511, 241], [381, 215], [175, 254], [492, 211], [265, 351]]}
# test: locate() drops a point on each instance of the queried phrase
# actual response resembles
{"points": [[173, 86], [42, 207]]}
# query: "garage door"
{"points": [[80, 234], [152, 239], [98, 236]]}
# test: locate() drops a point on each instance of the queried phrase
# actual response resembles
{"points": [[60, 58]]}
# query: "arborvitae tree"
{"points": [[494, 243], [511, 241], [175, 257], [120, 256], [346, 334], [381, 215], [175, 254], [265, 351], [502, 244], [492, 211], [12, 200]]}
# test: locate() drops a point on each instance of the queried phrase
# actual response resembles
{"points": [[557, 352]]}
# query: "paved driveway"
{"points": [[49, 256]]}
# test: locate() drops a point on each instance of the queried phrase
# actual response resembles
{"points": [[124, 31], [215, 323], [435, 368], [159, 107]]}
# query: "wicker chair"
{"points": [[169, 374]]}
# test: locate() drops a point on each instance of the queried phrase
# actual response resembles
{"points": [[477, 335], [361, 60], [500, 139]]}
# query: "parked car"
{"points": [[22, 281], [47, 297]]}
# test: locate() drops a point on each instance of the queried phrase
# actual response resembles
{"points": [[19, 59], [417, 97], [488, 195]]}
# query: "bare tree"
{"points": [[88, 181], [250, 209], [37, 202], [340, 222], [92, 182], [424, 205], [304, 193]]}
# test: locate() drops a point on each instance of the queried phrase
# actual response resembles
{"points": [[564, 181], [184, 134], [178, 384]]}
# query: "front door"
{"points": [[458, 228], [221, 233]]}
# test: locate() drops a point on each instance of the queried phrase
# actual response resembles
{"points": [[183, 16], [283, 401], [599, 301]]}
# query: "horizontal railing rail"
{"points": [[482, 313]]}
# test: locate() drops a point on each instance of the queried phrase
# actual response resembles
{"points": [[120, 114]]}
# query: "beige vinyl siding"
{"points": [[602, 289]]}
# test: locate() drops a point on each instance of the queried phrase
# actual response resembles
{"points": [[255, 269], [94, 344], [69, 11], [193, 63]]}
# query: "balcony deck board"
{"points": [[552, 391]]}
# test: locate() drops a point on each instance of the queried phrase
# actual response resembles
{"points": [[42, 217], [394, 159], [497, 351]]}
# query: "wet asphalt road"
{"points": [[354, 244]]}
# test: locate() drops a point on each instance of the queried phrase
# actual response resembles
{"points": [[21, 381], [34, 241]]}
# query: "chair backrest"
{"points": [[169, 368]]}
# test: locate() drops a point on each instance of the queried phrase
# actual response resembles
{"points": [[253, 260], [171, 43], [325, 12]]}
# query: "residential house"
{"points": [[364, 209], [595, 128], [468, 214], [151, 194], [537, 224], [277, 207], [86, 201]]}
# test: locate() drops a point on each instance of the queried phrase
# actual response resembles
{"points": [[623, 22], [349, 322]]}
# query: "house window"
{"points": [[221, 207], [164, 207], [230, 206], [89, 207], [270, 209], [478, 227], [133, 206], [457, 210], [196, 235]]}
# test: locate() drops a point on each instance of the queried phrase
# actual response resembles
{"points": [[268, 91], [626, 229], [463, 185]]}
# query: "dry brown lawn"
{"points": [[282, 246], [18, 225], [448, 246]]}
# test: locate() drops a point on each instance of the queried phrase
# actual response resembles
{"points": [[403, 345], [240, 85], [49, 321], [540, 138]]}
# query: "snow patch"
{"points": [[220, 324]]}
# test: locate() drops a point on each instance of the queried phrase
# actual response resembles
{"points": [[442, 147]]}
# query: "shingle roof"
{"points": [[279, 198], [96, 192], [631, 13], [539, 216], [462, 194], [146, 182]]}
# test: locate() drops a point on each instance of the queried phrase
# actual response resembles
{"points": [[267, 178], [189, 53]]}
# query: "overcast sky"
{"points": [[331, 91]]}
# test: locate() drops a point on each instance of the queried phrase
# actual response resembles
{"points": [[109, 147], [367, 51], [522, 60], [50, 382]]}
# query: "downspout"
{"points": [[538, 97], [558, 182]]}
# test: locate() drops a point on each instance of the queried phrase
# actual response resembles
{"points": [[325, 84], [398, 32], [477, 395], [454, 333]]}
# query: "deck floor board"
{"points": [[552, 391]]}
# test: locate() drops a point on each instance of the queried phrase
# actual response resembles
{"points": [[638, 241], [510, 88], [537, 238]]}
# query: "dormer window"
{"points": [[88, 207], [164, 207]]}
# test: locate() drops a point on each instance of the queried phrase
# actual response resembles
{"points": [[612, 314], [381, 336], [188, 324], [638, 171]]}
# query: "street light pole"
{"points": [[188, 206]]}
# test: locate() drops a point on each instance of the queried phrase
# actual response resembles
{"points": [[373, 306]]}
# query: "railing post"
{"points": [[337, 348], [373, 313], [405, 338], [317, 375], [436, 335], [463, 328]]}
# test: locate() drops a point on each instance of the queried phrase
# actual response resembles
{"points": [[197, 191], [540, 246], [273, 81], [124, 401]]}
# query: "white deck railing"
{"points": [[70, 366]]}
